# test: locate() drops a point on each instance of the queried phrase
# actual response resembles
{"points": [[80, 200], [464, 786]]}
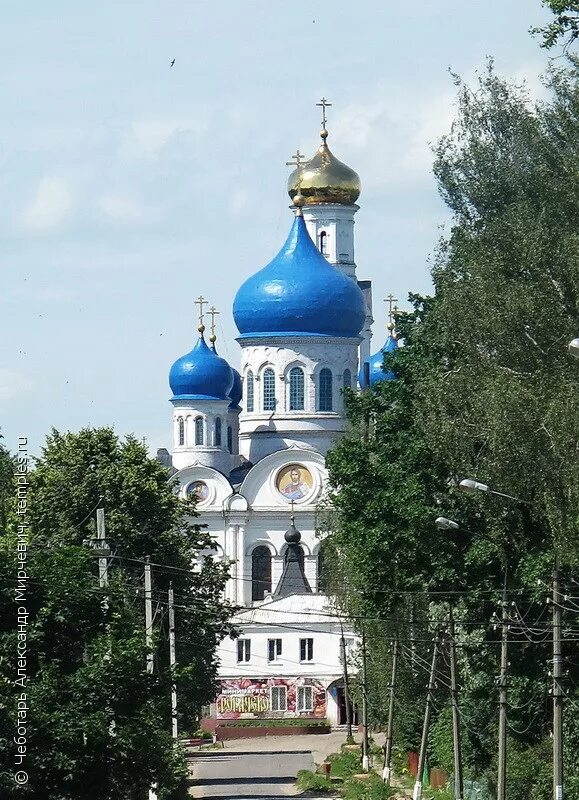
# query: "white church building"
{"points": [[251, 447]]}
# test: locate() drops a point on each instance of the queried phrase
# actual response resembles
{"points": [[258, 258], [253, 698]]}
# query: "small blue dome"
{"points": [[299, 293], [236, 391], [201, 375], [376, 372]]}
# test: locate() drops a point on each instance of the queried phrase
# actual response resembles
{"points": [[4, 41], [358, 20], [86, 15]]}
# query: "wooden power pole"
{"points": [[503, 698], [389, 732], [417, 794], [148, 616], [172, 662], [365, 747], [346, 685], [557, 688], [458, 780]]}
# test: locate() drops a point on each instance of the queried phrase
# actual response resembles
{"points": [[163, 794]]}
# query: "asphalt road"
{"points": [[244, 773]]}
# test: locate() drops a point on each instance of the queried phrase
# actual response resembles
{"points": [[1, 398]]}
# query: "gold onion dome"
{"points": [[324, 179]]}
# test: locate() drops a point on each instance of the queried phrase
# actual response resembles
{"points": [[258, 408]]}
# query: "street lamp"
{"points": [[574, 347], [472, 487], [444, 524]]}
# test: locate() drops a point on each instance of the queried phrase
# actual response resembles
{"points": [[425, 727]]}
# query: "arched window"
{"points": [[347, 379], [230, 438], [260, 572], [268, 390], [249, 391], [198, 430], [323, 243], [181, 424], [218, 432], [325, 390], [296, 393]]}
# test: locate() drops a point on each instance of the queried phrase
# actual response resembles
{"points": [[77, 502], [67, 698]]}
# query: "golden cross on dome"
{"points": [[213, 313], [201, 301], [392, 308], [324, 104], [298, 160]]}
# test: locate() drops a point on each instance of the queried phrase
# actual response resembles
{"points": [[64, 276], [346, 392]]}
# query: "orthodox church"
{"points": [[250, 445]]}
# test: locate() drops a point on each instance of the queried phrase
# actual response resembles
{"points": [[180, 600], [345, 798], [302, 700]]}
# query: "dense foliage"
{"points": [[99, 724], [485, 389]]}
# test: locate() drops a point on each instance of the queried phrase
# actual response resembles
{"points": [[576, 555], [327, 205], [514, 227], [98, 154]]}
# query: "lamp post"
{"points": [[574, 347]]}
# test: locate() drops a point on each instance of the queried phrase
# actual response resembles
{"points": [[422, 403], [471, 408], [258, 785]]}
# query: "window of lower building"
{"points": [[325, 402], [306, 649], [260, 572], [268, 390], [305, 698], [243, 650], [296, 390], [199, 430], [249, 391], [218, 432], [273, 649], [279, 698], [230, 438], [181, 430]]}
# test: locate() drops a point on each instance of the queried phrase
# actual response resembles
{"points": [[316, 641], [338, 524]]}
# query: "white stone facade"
{"points": [[313, 425]]}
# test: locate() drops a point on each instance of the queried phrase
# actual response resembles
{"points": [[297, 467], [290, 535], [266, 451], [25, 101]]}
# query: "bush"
{"points": [[313, 781], [371, 789], [345, 764]]}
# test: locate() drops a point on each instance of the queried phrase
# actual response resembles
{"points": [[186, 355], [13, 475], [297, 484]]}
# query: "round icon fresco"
{"points": [[199, 490], [294, 482]]}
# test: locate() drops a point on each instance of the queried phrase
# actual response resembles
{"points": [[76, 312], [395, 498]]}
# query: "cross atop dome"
{"points": [[324, 104], [201, 301]]}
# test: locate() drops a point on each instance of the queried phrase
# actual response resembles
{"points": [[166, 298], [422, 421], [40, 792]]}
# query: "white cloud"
{"points": [[148, 137], [13, 384], [50, 207], [123, 208]]}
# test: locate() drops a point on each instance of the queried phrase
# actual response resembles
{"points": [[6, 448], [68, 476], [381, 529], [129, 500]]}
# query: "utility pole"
{"points": [[103, 553], [148, 615], [417, 794], [346, 686], [365, 748], [388, 743], [502, 765], [172, 662], [557, 688], [149, 640], [458, 781]]}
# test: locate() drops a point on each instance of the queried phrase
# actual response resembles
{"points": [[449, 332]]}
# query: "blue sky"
{"points": [[128, 187]]}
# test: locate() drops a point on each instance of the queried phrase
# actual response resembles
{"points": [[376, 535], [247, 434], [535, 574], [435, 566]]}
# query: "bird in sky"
{"points": [[173, 62]]}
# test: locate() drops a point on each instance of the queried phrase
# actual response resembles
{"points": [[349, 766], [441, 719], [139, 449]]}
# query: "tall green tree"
{"points": [[485, 389], [99, 723]]}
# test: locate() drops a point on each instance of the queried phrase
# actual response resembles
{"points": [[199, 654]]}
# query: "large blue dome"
{"points": [[236, 391], [299, 293], [201, 375], [376, 372]]}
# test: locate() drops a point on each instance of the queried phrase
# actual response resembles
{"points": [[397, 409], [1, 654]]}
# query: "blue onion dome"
{"points": [[299, 293], [376, 372], [201, 374], [236, 391]]}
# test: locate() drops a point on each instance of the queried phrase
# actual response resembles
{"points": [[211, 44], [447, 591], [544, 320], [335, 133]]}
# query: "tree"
{"points": [[100, 724], [564, 27], [484, 388]]}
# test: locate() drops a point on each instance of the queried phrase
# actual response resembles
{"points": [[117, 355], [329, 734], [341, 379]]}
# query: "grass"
{"points": [[345, 766]]}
